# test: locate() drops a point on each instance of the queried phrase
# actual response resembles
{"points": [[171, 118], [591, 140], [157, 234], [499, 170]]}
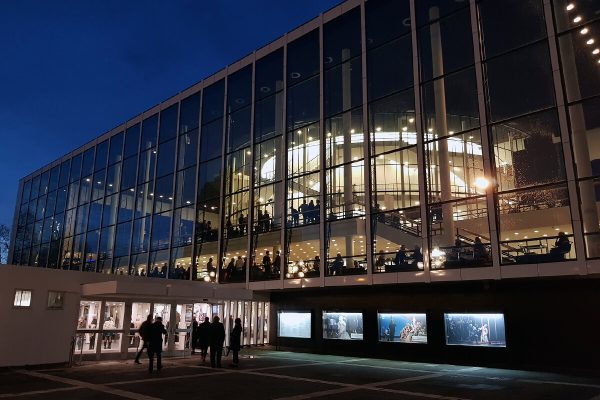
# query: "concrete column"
{"points": [[346, 127], [441, 129], [589, 211]]}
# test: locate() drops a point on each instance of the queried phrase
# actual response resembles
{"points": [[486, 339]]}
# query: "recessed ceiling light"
{"points": [[584, 31], [577, 19], [590, 41], [570, 6], [596, 51]]}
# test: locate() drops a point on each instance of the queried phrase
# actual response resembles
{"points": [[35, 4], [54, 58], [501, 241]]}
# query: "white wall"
{"points": [[37, 335]]}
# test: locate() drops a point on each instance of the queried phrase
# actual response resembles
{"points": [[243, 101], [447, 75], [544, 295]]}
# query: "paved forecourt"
{"points": [[268, 374]]}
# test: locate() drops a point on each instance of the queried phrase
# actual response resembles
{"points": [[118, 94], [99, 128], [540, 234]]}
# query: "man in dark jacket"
{"points": [[157, 329], [235, 341], [144, 334], [204, 337], [217, 337]]}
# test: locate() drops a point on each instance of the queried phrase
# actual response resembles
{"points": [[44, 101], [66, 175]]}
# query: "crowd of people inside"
{"points": [[310, 212]]}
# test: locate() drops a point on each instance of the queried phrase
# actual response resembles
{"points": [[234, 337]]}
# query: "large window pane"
{"points": [[211, 140], [397, 241], [395, 180], [341, 38], [132, 140], [390, 68], [455, 167], [447, 45], [122, 240], [346, 249], [209, 186], [269, 74], [163, 194], [141, 235], [239, 89], [267, 163], [531, 223], [527, 72], [343, 87], [450, 104], [239, 129], [188, 149], [302, 252], [510, 23], [303, 204], [386, 20], [528, 151], [149, 132], [392, 122], [116, 148], [303, 103], [459, 234], [345, 138], [126, 205], [580, 61], [186, 187], [345, 195], [303, 147], [303, 57], [161, 230], [146, 165], [166, 158], [268, 117], [168, 123], [87, 166], [213, 101], [183, 226], [190, 113]]}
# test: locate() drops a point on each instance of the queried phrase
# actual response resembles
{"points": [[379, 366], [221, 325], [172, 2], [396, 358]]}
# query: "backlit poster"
{"points": [[486, 330], [342, 325], [403, 328], [294, 324]]}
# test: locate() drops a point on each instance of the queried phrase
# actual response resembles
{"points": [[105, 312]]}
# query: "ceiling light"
{"points": [[590, 41], [570, 6], [411, 120], [584, 31], [352, 131], [596, 51], [577, 19]]}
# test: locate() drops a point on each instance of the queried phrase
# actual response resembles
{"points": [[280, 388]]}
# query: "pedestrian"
{"points": [[204, 337], [157, 329], [194, 335], [144, 333], [235, 341], [217, 338]]}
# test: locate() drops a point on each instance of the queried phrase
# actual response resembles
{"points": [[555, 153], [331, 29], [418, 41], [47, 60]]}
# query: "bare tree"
{"points": [[4, 243]]}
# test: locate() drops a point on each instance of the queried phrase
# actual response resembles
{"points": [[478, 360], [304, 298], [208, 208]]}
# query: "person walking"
{"points": [[235, 341], [144, 333], [204, 337], [217, 337], [157, 329]]}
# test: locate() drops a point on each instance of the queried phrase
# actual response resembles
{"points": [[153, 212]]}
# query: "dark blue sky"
{"points": [[72, 70]]}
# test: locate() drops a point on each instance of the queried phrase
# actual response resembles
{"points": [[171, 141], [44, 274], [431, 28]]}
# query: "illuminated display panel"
{"points": [[294, 324], [402, 327], [485, 330], [342, 325]]}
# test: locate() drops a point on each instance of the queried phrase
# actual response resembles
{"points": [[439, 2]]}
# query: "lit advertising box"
{"points": [[294, 324], [485, 330], [342, 325], [402, 327]]}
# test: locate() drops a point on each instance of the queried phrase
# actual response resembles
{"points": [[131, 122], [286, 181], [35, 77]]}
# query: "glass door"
{"points": [[139, 313], [183, 326], [163, 310]]}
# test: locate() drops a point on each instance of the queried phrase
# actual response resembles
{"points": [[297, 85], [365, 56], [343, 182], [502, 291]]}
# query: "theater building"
{"points": [[407, 179]]}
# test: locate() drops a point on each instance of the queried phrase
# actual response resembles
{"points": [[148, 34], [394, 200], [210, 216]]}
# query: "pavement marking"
{"points": [[559, 383], [166, 378], [34, 392], [87, 385]]}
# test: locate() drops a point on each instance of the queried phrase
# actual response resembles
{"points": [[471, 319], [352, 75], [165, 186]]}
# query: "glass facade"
{"points": [[371, 144]]}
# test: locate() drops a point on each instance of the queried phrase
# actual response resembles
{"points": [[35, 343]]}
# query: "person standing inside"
{"points": [[157, 330], [144, 333], [235, 341], [266, 263], [204, 337], [217, 338]]}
